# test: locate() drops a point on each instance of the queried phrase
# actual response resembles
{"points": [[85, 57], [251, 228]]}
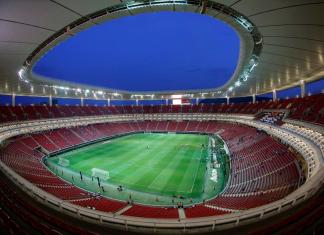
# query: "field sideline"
{"points": [[164, 164]]}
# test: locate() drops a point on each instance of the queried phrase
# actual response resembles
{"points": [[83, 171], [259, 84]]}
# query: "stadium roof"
{"points": [[285, 39]]}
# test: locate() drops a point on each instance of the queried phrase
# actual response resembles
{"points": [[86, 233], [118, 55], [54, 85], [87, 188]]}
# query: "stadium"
{"points": [[161, 117]]}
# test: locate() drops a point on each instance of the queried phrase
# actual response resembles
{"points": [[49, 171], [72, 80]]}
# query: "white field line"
{"points": [[193, 182], [71, 153]]}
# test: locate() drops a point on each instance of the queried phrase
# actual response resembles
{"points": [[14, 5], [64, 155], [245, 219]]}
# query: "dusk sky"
{"points": [[147, 52]]}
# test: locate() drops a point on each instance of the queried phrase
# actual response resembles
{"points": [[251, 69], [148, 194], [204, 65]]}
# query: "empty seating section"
{"points": [[152, 125], [27, 149], [309, 109], [19, 216], [181, 126], [30, 112], [65, 192], [134, 126], [100, 203], [152, 212], [55, 112], [31, 168], [249, 201], [42, 111], [263, 170], [6, 114], [87, 133], [18, 113], [202, 211], [251, 184], [57, 139], [172, 126], [192, 126], [202, 126], [143, 125], [30, 142], [69, 137], [45, 142]]}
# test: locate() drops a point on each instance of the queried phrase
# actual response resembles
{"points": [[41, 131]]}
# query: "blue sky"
{"points": [[147, 52]]}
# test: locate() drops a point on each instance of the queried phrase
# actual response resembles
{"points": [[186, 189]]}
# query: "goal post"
{"points": [[101, 174], [63, 162]]}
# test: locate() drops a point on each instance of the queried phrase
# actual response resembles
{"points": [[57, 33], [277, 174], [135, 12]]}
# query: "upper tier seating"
{"points": [[308, 109]]}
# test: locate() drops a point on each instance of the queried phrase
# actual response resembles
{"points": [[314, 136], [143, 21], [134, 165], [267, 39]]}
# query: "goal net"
{"points": [[101, 174], [63, 162]]}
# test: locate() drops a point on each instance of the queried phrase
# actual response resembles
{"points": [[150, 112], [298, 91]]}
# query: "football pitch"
{"points": [[163, 164]]}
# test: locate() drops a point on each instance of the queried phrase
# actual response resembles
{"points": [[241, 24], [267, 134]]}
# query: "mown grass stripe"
{"points": [[164, 168]]}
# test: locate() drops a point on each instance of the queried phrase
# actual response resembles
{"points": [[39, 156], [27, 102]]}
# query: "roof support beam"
{"points": [[13, 100], [50, 101], [302, 89], [203, 4], [274, 95]]}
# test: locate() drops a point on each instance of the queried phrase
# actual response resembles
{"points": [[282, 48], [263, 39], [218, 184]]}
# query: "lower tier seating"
{"points": [[263, 169], [202, 211], [19, 216], [100, 203], [152, 212]]}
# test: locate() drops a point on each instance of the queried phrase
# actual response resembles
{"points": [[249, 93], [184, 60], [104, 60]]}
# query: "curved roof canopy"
{"points": [[291, 34]]}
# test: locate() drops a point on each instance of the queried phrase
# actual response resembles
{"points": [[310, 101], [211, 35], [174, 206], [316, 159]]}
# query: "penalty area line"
{"points": [[196, 173]]}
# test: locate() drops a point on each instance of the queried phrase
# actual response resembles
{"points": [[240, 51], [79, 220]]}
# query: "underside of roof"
{"points": [[292, 38]]}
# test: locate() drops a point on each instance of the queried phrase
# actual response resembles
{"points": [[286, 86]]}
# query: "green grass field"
{"points": [[173, 164]]}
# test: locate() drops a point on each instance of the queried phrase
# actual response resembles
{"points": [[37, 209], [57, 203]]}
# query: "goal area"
{"points": [[63, 162], [101, 174]]}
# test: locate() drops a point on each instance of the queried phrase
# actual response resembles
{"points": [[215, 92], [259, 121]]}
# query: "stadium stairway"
{"points": [[182, 214], [122, 210]]}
